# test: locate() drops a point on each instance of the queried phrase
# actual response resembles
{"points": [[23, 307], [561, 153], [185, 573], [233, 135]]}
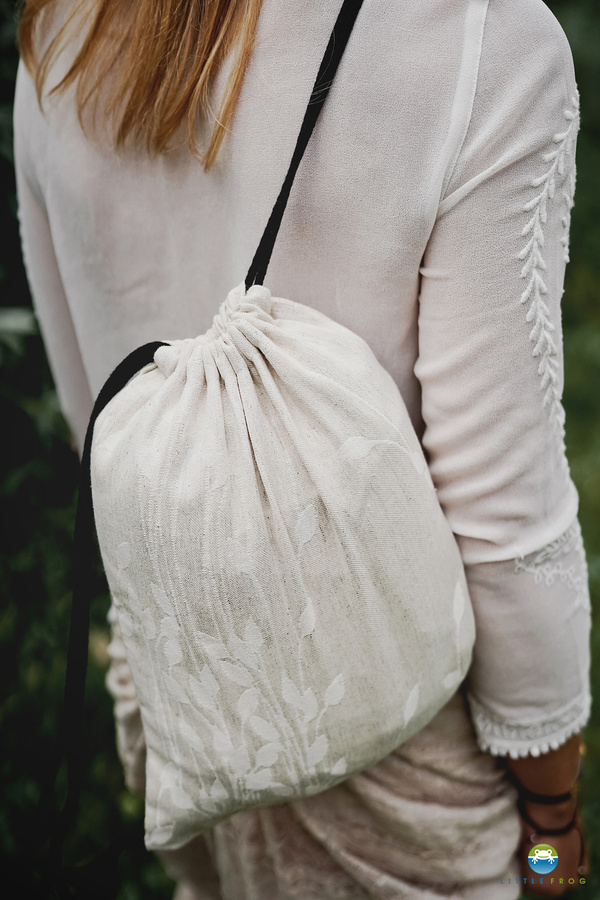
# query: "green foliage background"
{"points": [[37, 490]]}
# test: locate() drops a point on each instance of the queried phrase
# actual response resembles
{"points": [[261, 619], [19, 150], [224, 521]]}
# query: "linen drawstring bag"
{"points": [[291, 597]]}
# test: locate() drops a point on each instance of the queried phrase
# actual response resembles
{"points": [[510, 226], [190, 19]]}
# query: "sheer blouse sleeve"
{"points": [[491, 369]]}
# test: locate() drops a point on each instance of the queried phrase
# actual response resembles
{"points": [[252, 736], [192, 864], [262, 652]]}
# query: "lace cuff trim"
{"points": [[496, 736]]}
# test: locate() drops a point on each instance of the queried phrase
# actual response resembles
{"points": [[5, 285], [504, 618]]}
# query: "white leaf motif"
{"points": [[200, 695], [410, 707], [267, 755], [173, 652], [161, 598], [452, 679], [237, 674], [169, 626], [306, 702], [306, 525], [208, 681], [148, 624], [310, 706], [335, 691], [306, 622], [190, 736], [217, 791], [317, 750], [253, 635], [175, 688], [239, 761], [264, 729], [258, 781], [243, 652], [169, 781], [290, 692], [340, 767], [247, 703], [223, 745], [356, 448], [212, 646]]}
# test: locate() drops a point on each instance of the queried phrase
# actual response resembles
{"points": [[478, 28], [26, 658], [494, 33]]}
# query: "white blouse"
{"points": [[431, 216]]}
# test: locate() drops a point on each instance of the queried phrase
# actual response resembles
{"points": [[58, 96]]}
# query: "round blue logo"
{"points": [[543, 859]]}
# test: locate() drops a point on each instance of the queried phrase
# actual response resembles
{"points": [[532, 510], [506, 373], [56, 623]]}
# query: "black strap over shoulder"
{"points": [[329, 64], [84, 543]]}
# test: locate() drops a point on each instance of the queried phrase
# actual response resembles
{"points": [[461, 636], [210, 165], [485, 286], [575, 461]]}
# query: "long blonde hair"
{"points": [[157, 73]]}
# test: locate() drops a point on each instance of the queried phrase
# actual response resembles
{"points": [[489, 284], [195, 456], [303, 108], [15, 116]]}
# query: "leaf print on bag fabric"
{"points": [[263, 729], [452, 680], [335, 692], [126, 623], [172, 651], [306, 526], [161, 598], [217, 791], [243, 652], [148, 624], [222, 742], [318, 750], [310, 706], [175, 688], [340, 767], [258, 781], [253, 635], [290, 692], [305, 703], [237, 674], [307, 620], [169, 627], [357, 448], [170, 780], [212, 646], [267, 755], [208, 681], [247, 704], [190, 736], [239, 760], [200, 694], [410, 707]]}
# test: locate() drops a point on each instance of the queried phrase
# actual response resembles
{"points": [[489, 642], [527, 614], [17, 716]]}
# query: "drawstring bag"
{"points": [[291, 597]]}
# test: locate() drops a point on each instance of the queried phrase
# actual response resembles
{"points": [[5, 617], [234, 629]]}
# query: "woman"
{"points": [[430, 216]]}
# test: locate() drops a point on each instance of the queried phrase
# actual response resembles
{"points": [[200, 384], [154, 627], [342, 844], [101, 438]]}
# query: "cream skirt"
{"points": [[437, 818]]}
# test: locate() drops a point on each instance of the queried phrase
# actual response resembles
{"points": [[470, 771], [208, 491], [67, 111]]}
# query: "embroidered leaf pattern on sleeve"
{"points": [[558, 177]]}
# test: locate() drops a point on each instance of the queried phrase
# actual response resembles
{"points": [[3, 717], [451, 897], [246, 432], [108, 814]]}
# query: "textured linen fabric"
{"points": [[292, 600], [435, 819], [430, 216]]}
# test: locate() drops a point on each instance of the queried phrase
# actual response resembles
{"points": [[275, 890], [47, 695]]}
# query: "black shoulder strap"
{"points": [[331, 60]]}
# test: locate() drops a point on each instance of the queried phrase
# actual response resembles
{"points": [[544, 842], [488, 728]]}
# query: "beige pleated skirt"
{"points": [[437, 818]]}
